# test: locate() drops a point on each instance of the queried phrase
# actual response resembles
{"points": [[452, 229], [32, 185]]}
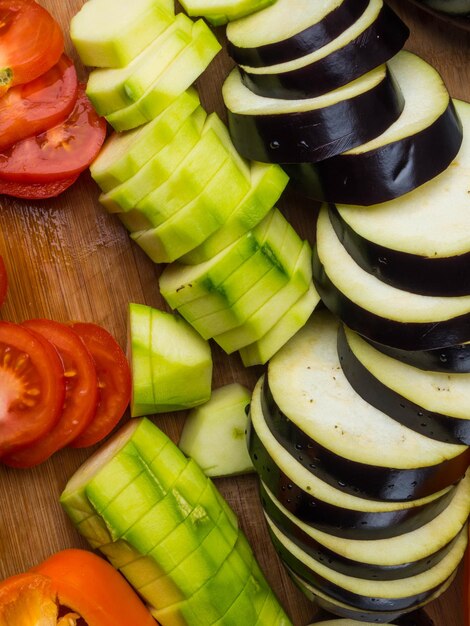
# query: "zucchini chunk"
{"points": [[355, 443], [372, 40], [431, 403], [378, 311], [323, 506], [279, 34], [416, 148], [370, 595], [451, 7], [294, 131], [218, 12], [381, 559]]}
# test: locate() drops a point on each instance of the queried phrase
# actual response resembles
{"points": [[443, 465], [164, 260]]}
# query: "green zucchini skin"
{"points": [[360, 479], [403, 335], [310, 39], [427, 276], [319, 133], [334, 519], [384, 38], [418, 159], [340, 563]]}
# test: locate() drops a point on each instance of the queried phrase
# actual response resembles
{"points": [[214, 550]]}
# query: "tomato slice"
{"points": [[59, 152], [36, 191], [114, 380], [31, 42], [3, 281], [32, 387], [32, 108], [81, 394]]}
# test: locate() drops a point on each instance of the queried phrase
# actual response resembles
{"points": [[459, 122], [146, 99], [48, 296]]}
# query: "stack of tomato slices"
{"points": [[49, 132], [60, 385]]}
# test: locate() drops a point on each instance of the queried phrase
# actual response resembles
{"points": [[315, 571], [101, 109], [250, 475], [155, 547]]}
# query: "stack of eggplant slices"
{"points": [[360, 425]]}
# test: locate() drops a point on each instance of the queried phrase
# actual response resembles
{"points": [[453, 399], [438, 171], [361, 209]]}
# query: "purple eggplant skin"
{"points": [[384, 38], [335, 592], [305, 42], [452, 360], [390, 171], [321, 133], [340, 563], [428, 423], [403, 335], [359, 479], [333, 519], [427, 276]]}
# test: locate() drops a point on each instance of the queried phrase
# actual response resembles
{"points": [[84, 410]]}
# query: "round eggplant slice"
{"points": [[372, 40], [431, 403], [378, 311], [369, 595], [339, 436], [279, 34], [312, 129], [455, 359], [322, 506], [383, 559], [415, 149], [414, 616]]}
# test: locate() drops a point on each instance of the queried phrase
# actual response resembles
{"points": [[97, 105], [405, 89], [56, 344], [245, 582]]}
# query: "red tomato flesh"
{"points": [[36, 191], [3, 281], [59, 152], [31, 42], [32, 108], [114, 380], [32, 387], [81, 394]]}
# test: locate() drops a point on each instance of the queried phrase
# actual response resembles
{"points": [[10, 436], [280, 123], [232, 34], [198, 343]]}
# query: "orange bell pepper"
{"points": [[28, 599]]}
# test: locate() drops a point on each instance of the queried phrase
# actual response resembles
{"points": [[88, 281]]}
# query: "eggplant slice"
{"points": [[378, 311], [325, 507], [294, 131], [415, 149], [279, 34], [384, 559], [377, 36], [431, 403], [369, 595], [339, 436], [454, 359]]}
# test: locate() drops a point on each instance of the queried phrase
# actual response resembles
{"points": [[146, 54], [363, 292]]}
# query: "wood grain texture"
{"points": [[68, 259]]}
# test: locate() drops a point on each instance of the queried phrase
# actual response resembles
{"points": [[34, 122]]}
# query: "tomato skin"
{"points": [[114, 380], [29, 109], [59, 152], [3, 281], [31, 42], [28, 599], [81, 394], [32, 387], [36, 191]]}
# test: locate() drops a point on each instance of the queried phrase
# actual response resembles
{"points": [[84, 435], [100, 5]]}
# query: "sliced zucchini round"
{"points": [[415, 149], [373, 39], [293, 131], [279, 34], [323, 506], [378, 311], [339, 436]]}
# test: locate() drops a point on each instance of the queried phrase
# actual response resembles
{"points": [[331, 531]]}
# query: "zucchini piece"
{"points": [[293, 131], [259, 352], [376, 36], [431, 403], [380, 312], [279, 34], [451, 7], [124, 154], [214, 434], [104, 42], [218, 12], [323, 506], [397, 463], [415, 149], [138, 353]]}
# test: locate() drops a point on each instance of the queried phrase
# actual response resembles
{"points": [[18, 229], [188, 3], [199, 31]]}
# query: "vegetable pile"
{"points": [[49, 131]]}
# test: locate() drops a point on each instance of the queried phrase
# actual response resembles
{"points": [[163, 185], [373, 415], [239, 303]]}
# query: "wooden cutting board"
{"points": [[68, 259]]}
